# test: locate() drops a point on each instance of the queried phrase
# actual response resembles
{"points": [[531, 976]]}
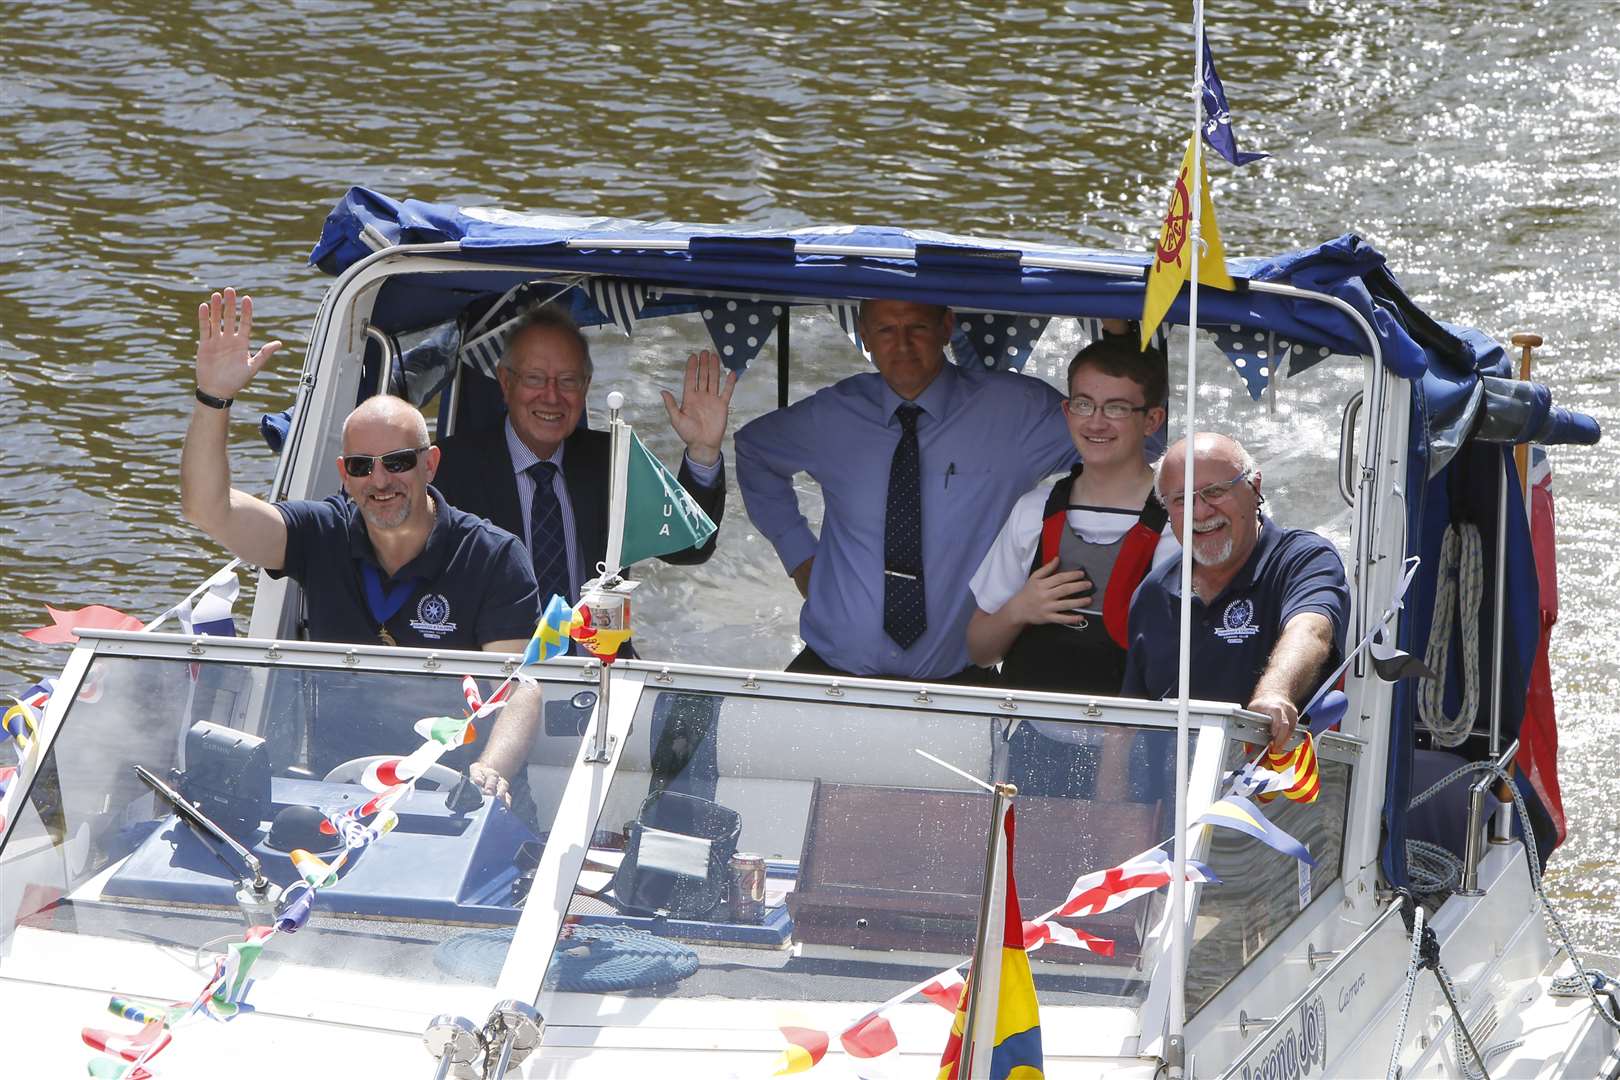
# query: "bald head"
{"points": [[386, 413], [1208, 447]]}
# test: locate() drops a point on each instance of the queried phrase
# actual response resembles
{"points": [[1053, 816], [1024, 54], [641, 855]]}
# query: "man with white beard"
{"points": [[1269, 604]]}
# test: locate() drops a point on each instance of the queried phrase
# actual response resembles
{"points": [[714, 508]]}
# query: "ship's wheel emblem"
{"points": [[1173, 237]]}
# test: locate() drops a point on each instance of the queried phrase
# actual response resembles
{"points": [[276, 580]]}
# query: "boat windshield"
{"points": [[98, 866], [759, 849]]}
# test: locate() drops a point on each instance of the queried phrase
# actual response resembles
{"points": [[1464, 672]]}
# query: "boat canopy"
{"points": [[1338, 297]]}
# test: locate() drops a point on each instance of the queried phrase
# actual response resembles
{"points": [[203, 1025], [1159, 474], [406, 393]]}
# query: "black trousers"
{"points": [[808, 662]]}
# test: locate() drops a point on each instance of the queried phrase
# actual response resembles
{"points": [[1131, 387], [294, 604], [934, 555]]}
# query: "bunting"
{"points": [[739, 329], [619, 300], [849, 321], [1239, 814], [997, 340], [209, 613]]}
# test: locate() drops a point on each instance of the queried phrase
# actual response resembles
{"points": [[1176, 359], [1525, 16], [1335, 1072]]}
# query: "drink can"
{"points": [[746, 892]]}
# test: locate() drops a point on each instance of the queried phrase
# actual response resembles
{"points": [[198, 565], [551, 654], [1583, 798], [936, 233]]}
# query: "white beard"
{"points": [[1205, 556]]}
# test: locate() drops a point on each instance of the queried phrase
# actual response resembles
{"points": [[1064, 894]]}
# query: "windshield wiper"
{"points": [[209, 831]]}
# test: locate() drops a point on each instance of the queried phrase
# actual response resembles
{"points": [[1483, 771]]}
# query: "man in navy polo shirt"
{"points": [[1269, 605], [393, 563]]}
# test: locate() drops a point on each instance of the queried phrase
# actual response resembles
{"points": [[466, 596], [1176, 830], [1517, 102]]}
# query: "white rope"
{"points": [[1412, 970], [1461, 583]]}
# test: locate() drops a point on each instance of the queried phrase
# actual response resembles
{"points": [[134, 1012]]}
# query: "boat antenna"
{"points": [[1175, 1021]]}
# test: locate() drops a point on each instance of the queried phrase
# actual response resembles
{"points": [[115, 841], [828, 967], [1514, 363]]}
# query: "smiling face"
{"points": [[544, 381], [387, 500], [1105, 443], [907, 342], [1227, 527]]}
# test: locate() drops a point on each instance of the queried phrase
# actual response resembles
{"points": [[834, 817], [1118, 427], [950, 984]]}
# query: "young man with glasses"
{"points": [[392, 563], [543, 477], [1269, 604], [1053, 593]]}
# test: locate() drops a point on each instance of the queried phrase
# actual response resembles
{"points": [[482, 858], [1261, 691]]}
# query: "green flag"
{"points": [[655, 514]]}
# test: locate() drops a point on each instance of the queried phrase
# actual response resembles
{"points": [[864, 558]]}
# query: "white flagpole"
{"points": [[620, 458], [1175, 1047]]}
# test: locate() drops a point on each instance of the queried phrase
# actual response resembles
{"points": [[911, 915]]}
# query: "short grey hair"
{"points": [[548, 317], [1245, 461]]}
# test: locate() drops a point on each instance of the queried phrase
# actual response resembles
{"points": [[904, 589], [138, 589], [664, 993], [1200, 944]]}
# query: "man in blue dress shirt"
{"points": [[919, 463]]}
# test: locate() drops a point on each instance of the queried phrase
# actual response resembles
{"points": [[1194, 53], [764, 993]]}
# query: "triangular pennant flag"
{"points": [[849, 321], [1392, 663], [1300, 777], [485, 339], [660, 516], [1239, 814], [869, 1037], [1258, 355], [739, 329], [1325, 715], [998, 340], [619, 300], [1172, 259]]}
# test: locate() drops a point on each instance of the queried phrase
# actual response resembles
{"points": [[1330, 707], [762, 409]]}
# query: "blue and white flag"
{"points": [[618, 299], [740, 329], [210, 611], [997, 340], [1218, 116], [1237, 813]]}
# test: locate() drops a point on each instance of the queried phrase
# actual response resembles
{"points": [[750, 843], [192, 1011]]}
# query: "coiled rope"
{"points": [[1457, 595]]}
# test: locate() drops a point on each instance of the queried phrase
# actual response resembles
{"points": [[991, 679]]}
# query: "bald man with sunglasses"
{"points": [[393, 563]]}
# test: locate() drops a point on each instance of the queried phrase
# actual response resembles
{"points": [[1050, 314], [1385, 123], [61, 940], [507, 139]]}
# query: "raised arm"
{"points": [[249, 527]]}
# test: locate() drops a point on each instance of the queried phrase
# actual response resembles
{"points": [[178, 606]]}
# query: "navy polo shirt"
{"points": [[473, 581], [1289, 571]]}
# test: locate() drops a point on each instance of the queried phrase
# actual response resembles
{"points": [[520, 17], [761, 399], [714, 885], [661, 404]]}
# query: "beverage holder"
{"points": [[675, 860]]}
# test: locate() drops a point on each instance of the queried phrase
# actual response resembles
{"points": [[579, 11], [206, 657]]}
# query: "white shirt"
{"points": [[1006, 565]]}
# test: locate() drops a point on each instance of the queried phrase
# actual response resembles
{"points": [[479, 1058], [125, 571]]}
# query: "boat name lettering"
{"points": [[1348, 994], [1298, 1050]]}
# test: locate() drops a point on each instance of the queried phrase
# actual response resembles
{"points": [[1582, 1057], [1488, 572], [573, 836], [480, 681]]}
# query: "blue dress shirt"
{"points": [[984, 438]]}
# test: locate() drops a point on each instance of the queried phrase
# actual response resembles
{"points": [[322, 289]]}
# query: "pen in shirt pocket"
{"points": [[950, 471]]}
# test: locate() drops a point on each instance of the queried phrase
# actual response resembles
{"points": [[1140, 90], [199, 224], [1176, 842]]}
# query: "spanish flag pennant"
{"points": [[1016, 1052], [1172, 258], [806, 1047]]}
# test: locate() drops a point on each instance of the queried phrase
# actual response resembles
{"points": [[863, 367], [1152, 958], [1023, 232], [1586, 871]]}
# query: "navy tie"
{"points": [[904, 612], [547, 545]]}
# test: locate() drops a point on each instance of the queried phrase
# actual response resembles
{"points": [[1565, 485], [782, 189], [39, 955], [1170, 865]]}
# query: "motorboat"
{"points": [[723, 870]]}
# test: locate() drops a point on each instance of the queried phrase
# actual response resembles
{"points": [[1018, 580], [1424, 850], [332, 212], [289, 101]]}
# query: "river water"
{"points": [[152, 149]]}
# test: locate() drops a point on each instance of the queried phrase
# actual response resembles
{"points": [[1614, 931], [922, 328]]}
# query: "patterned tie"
{"points": [[904, 612], [547, 545]]}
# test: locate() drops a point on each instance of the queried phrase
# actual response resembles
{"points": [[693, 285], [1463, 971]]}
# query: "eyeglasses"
{"points": [[1085, 408], [1210, 493], [396, 461], [566, 383]]}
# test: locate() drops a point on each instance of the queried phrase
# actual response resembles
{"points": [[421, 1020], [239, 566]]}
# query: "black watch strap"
{"points": [[213, 402]]}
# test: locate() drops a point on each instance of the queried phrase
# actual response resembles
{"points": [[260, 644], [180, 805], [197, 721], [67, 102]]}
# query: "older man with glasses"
{"points": [[393, 563], [1269, 603]]}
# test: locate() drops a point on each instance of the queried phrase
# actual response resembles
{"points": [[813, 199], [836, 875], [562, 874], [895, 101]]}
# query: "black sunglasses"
{"points": [[397, 461]]}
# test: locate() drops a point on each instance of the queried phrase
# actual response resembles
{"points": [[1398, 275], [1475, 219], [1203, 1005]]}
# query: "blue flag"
{"points": [[1236, 812], [1218, 116]]}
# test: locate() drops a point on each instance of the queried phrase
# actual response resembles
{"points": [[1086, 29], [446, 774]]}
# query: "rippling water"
{"points": [[154, 149]]}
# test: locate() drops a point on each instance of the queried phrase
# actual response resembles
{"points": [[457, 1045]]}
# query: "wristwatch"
{"points": [[213, 402]]}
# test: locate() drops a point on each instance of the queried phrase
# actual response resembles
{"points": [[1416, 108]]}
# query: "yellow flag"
{"points": [[1172, 259]]}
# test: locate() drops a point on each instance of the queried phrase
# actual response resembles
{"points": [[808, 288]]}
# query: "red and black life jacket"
{"points": [[1055, 657]]}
